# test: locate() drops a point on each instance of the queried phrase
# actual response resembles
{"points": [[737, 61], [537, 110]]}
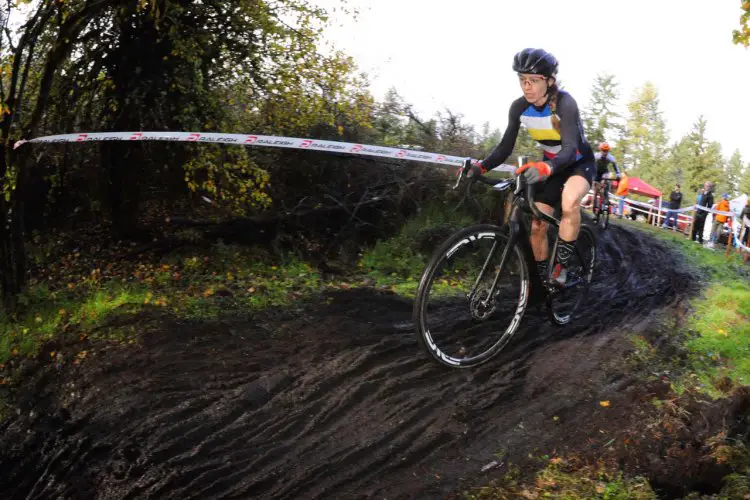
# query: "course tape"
{"points": [[664, 209], [304, 144], [736, 233], [255, 140], [715, 212]]}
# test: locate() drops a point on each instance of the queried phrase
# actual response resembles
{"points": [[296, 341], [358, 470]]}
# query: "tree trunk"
{"points": [[12, 251], [122, 188]]}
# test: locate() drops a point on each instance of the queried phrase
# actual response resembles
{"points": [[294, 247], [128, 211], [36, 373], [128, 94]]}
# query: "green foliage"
{"points": [[707, 163], [49, 313], [599, 118], [398, 262], [737, 175], [563, 481], [489, 139], [742, 35], [722, 345], [525, 146], [719, 344], [390, 120], [229, 176], [644, 145], [226, 280]]}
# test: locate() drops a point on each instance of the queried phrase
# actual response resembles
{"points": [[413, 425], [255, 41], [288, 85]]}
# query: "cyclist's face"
{"points": [[534, 87]]}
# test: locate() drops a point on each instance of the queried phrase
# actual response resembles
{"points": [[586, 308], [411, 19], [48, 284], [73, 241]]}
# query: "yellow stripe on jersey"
{"points": [[544, 134]]}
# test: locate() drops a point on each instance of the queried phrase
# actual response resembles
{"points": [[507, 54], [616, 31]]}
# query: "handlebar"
{"points": [[516, 183], [475, 175]]}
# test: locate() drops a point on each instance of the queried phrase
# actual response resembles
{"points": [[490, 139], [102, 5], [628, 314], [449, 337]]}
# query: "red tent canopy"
{"points": [[639, 186]]}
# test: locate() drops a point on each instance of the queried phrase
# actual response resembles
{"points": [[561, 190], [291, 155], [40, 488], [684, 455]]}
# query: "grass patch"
{"points": [[719, 327], [569, 481], [81, 295], [48, 313], [713, 263], [397, 263], [225, 280], [721, 346]]}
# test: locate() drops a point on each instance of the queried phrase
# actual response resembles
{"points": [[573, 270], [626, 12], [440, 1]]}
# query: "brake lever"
{"points": [[462, 174]]}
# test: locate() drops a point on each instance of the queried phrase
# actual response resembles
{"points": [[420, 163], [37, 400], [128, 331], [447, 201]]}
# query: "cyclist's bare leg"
{"points": [[539, 244], [573, 192]]}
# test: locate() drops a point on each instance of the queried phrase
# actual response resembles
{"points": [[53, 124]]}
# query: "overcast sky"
{"points": [[459, 55]]}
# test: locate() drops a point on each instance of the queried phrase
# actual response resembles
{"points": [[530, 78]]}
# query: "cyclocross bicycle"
{"points": [[477, 286], [602, 205]]}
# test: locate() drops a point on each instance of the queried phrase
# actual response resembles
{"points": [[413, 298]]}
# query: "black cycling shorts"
{"points": [[550, 192]]}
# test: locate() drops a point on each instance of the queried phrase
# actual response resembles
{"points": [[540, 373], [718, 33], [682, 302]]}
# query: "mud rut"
{"points": [[335, 402]]}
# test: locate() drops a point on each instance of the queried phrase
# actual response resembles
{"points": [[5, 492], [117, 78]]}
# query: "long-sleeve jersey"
{"points": [[561, 149], [603, 161]]}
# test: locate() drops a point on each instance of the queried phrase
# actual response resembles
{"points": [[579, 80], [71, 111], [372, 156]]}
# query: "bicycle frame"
{"points": [[520, 234], [606, 188]]}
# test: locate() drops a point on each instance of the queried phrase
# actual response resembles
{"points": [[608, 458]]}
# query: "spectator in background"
{"points": [[719, 220], [705, 199], [745, 221], [675, 200], [622, 192]]}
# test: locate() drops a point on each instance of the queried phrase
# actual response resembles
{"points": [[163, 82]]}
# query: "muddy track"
{"points": [[335, 402]]}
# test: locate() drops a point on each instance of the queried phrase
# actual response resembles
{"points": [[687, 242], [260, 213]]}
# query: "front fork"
{"points": [[513, 235]]}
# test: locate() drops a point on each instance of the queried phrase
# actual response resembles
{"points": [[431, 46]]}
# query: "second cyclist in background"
{"points": [[604, 160]]}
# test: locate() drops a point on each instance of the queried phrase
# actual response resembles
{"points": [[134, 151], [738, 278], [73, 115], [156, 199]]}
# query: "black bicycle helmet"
{"points": [[536, 62]]}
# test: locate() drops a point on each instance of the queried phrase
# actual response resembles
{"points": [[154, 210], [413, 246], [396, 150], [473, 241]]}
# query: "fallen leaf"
{"points": [[489, 466], [605, 404]]}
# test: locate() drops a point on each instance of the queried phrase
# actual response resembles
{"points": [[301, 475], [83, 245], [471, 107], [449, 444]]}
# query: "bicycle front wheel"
{"points": [[604, 216], [595, 211], [563, 303], [472, 296]]}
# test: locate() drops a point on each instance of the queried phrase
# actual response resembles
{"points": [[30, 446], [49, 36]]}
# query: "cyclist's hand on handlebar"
{"points": [[477, 168], [534, 172]]}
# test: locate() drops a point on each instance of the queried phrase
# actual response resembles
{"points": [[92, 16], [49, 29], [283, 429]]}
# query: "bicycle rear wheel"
{"points": [[563, 303], [461, 320], [606, 208]]}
